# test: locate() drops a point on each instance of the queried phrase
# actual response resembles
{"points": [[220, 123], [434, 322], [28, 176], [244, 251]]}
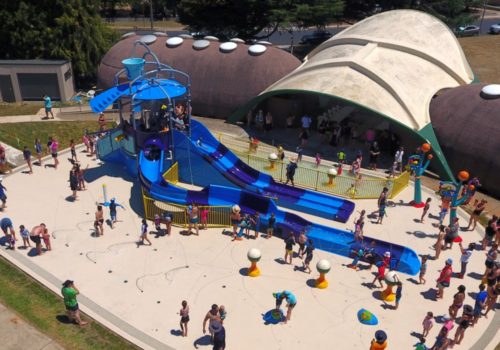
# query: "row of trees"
{"points": [[74, 30]]}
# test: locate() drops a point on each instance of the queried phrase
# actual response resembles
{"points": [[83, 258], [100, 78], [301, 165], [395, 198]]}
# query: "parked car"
{"points": [[316, 37], [495, 28], [467, 30]]}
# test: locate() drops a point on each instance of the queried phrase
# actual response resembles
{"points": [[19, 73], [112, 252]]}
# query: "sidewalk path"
{"points": [[18, 334]]}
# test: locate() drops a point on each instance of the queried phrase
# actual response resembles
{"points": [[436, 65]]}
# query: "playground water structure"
{"points": [[204, 161]]}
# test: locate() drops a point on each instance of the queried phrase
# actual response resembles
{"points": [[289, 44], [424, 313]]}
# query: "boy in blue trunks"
{"points": [[8, 230], [290, 299], [112, 210]]}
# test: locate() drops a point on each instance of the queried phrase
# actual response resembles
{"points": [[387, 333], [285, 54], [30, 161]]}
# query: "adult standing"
{"points": [[235, 220], [3, 196], [214, 321], [36, 236], [398, 158], [268, 122], [490, 232], [382, 203], [305, 122], [464, 258], [54, 147], [444, 278], [99, 221], [290, 171], [193, 212], [9, 232], [69, 293], [290, 299], [458, 301], [479, 207], [480, 303], [48, 107], [27, 158], [374, 153], [73, 183]]}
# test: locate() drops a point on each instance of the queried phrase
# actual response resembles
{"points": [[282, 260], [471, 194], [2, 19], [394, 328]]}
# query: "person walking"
{"points": [[291, 302], [309, 256], [144, 232], [290, 171], [8, 230], [38, 151], [425, 209], [184, 318], [214, 321], [112, 211], [444, 278], [69, 293], [463, 324], [99, 221], [27, 158], [48, 107]]}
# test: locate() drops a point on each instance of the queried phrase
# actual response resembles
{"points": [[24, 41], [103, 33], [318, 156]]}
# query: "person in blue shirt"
{"points": [[48, 107], [290, 299], [480, 303]]}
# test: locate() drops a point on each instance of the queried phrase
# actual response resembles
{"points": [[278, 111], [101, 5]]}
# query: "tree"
{"points": [[230, 18], [317, 13], [452, 12], [56, 29]]}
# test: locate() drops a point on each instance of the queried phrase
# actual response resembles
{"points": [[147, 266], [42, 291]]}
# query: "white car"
{"points": [[495, 28]]}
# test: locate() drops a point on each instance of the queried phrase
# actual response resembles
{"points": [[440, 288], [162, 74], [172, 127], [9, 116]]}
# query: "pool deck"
{"points": [[137, 290]]}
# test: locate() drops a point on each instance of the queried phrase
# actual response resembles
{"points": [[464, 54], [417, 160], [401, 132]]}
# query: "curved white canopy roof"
{"points": [[392, 63]]}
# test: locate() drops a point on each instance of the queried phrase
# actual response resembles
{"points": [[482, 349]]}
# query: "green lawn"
{"points": [[8, 109], [43, 309], [19, 135]]}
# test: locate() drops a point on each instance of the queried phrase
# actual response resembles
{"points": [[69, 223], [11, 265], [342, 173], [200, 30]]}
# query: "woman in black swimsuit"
{"points": [[479, 206]]}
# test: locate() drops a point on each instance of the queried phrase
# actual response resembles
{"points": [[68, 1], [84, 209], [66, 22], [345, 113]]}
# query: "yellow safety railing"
{"points": [[172, 174], [218, 216], [363, 187]]}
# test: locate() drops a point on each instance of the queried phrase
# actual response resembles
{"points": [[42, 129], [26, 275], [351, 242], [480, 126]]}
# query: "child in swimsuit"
{"points": [[46, 239], [204, 218], [184, 318], [25, 234]]}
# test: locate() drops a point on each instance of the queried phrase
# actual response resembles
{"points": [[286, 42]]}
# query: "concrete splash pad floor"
{"points": [[137, 290]]}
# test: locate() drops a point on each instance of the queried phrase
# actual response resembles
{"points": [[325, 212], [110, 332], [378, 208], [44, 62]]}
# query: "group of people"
{"points": [[37, 235]]}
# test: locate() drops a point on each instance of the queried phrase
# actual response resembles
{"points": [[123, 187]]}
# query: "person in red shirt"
{"points": [[444, 278], [380, 273]]}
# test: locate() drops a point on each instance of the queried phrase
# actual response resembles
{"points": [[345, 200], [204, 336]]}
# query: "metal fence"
{"points": [[319, 180], [218, 216]]}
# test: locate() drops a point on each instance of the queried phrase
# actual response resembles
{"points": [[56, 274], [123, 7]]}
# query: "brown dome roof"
{"points": [[220, 82], [468, 129]]}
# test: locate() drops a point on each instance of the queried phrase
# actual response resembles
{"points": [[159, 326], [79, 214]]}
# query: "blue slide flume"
{"points": [[245, 177], [326, 238]]}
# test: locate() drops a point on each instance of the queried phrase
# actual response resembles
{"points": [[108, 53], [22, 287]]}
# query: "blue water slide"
{"points": [[244, 176], [326, 238]]}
